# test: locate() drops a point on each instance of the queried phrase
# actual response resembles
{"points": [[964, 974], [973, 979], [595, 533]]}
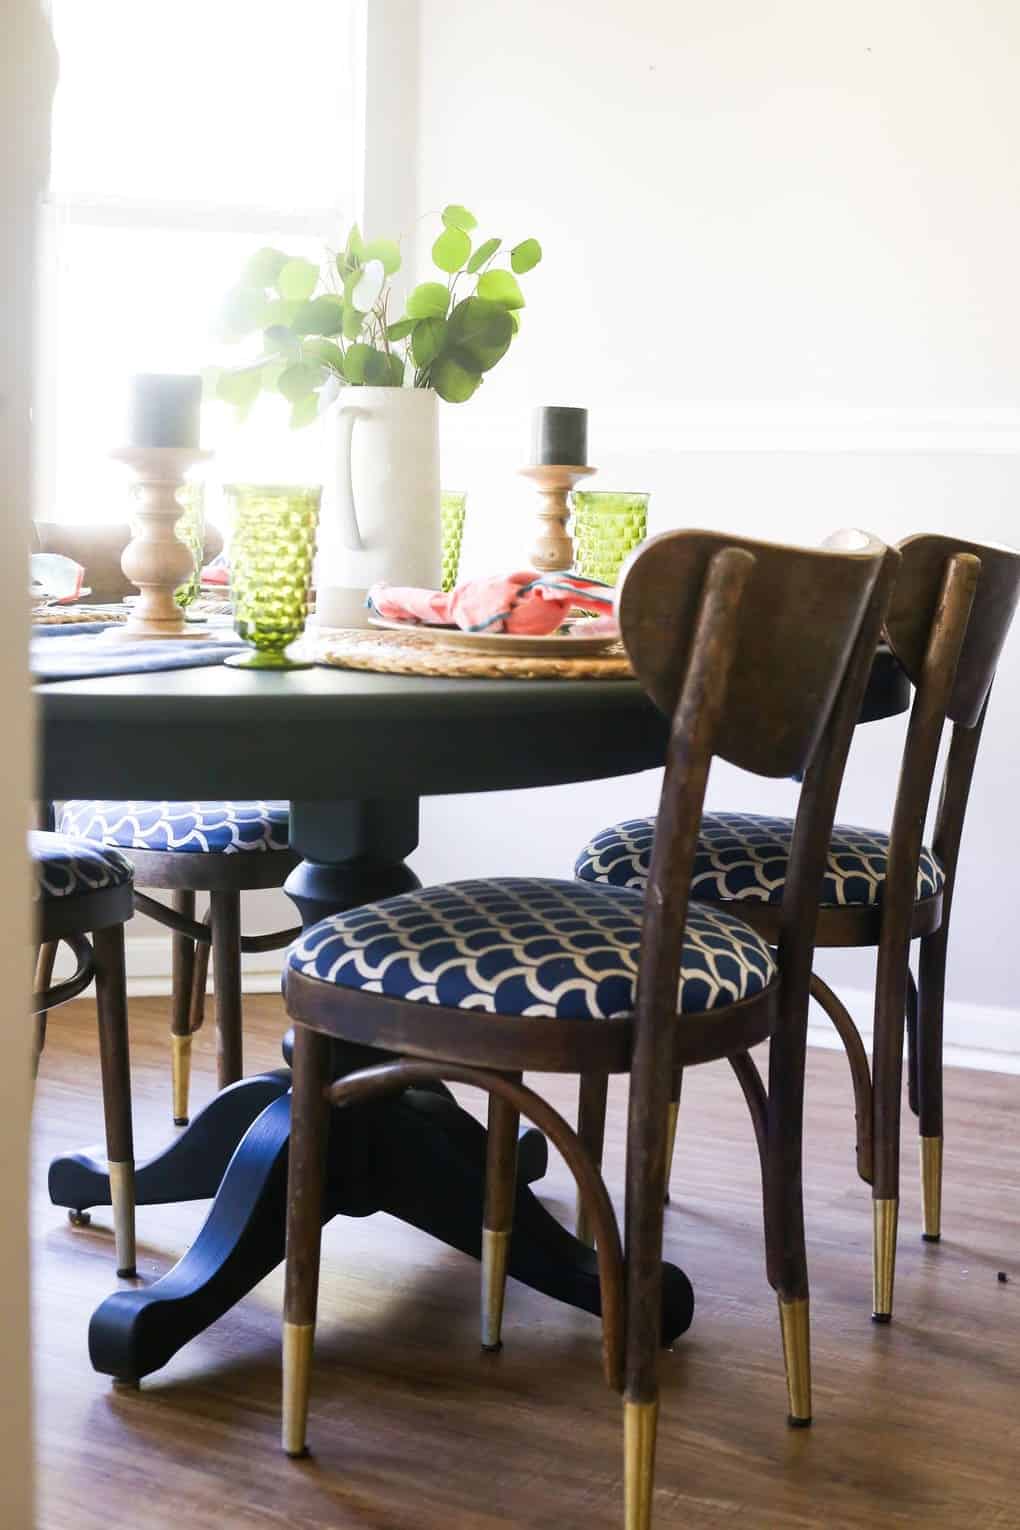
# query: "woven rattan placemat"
{"points": [[414, 653], [77, 616]]}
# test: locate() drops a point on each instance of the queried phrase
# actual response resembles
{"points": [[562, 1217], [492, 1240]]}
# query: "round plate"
{"points": [[569, 642]]}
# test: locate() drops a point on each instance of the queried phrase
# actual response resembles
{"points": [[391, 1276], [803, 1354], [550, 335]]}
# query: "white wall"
{"points": [[25, 89], [781, 245]]}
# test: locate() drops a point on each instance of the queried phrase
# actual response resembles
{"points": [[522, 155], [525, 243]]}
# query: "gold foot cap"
{"points": [[885, 1214], [795, 1326], [495, 1257], [639, 1426], [931, 1188], [180, 1073], [298, 1339], [122, 1199]]}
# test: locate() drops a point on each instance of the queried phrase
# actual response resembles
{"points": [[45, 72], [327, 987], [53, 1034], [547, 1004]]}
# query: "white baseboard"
{"points": [[980, 1036]]}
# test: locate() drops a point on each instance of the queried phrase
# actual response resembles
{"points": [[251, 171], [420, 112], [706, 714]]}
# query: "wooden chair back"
{"points": [[760, 655]]}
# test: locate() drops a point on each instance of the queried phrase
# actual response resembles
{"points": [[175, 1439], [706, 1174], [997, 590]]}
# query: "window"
{"points": [[186, 134]]}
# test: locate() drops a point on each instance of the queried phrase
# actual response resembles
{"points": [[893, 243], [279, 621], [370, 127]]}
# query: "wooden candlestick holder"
{"points": [[155, 559], [553, 549]]}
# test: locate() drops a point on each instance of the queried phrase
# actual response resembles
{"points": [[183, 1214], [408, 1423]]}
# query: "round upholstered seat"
{"points": [[222, 828], [745, 855], [526, 946], [65, 867]]}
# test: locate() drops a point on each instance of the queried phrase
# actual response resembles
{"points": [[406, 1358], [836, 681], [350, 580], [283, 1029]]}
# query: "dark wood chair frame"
{"points": [[949, 616], [101, 915], [716, 629]]}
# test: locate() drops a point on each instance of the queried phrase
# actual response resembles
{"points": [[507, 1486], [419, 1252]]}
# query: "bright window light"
{"points": [[186, 134]]}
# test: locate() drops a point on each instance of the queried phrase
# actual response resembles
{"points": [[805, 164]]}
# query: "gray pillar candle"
{"points": [[560, 437], [164, 410]]}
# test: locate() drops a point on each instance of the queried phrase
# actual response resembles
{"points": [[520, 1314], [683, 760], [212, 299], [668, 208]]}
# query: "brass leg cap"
{"points": [[122, 1197], [495, 1258], [885, 1214], [639, 1427], [298, 1339], [180, 1075], [795, 1327], [931, 1188]]}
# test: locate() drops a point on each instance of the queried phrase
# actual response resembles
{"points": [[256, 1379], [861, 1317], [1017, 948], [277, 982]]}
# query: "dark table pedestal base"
{"points": [[419, 1157]]}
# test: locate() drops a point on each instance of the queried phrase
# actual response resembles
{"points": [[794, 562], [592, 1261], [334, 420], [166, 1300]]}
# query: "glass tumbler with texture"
{"points": [[607, 526], [271, 558], [191, 531], [452, 510]]}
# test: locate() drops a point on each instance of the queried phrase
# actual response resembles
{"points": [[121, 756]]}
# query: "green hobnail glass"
{"points": [[607, 526], [271, 555], [452, 510], [191, 531]]}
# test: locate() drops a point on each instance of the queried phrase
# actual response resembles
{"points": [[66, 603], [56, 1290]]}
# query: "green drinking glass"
{"points": [[607, 526], [191, 531], [452, 511], [271, 557]]}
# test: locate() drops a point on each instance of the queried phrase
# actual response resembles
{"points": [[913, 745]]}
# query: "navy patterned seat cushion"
{"points": [[744, 855], [526, 946], [64, 867], [224, 828]]}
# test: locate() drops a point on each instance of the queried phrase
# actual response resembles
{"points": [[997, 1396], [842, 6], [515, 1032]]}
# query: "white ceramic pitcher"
{"points": [[382, 519]]}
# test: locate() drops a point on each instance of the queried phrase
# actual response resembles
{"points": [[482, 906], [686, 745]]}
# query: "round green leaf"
{"points": [[483, 253], [455, 216], [500, 287], [322, 316], [396, 370], [299, 380], [452, 381], [297, 280], [280, 338], [243, 309], [430, 300], [427, 341], [366, 292], [304, 411], [400, 330], [525, 256], [479, 333], [239, 388], [353, 321], [279, 311], [355, 358], [377, 369], [262, 268], [386, 250], [451, 249], [326, 352]]}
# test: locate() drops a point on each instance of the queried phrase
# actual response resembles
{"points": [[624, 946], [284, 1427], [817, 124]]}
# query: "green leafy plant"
{"points": [[324, 329]]}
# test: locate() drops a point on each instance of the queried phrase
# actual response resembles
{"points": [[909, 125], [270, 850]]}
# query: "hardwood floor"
{"points": [[915, 1424]]}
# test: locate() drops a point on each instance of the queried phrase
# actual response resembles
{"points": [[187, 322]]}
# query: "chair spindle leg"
{"points": [[308, 1140], [183, 969], [225, 909], [114, 1059], [591, 1128], [497, 1221], [674, 1116]]}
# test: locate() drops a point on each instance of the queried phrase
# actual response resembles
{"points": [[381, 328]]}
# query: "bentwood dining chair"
{"points": [[218, 848], [949, 616], [758, 654], [82, 890], [207, 847]]}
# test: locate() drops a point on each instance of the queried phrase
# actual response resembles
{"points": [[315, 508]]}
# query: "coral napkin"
{"points": [[525, 602]]}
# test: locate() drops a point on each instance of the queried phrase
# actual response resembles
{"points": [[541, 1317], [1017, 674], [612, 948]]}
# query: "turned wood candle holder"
{"points": [[553, 549], [155, 559]]}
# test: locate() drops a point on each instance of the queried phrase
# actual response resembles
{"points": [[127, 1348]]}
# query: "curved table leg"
{"points": [[190, 1168]]}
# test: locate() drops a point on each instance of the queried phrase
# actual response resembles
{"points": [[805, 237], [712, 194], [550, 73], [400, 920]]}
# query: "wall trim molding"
{"points": [[683, 427], [981, 1036]]}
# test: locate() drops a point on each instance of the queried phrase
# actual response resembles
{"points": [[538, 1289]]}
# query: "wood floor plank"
{"points": [[916, 1424]]}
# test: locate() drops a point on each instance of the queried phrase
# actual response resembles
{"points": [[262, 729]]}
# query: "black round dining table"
{"points": [[353, 753]]}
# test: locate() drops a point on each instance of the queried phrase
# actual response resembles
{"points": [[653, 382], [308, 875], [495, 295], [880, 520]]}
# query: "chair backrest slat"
{"points": [[799, 616]]}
